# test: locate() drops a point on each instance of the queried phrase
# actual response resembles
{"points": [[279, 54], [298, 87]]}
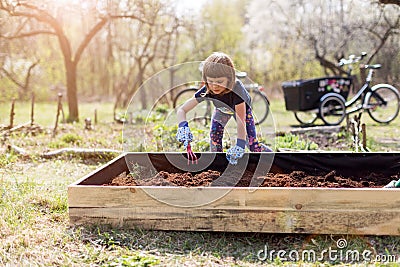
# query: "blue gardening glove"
{"points": [[236, 152], [393, 184], [184, 135]]}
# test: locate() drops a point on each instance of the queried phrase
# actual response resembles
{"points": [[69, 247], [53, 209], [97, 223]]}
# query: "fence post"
{"points": [[59, 108], [12, 113], [364, 136], [95, 116], [32, 108]]}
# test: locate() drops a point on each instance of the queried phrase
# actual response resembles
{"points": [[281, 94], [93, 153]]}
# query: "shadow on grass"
{"points": [[252, 248]]}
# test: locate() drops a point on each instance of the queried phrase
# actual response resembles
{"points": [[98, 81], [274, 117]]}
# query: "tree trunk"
{"points": [[143, 99], [72, 91], [143, 93]]}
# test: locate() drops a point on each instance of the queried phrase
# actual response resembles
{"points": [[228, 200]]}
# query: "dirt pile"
{"points": [[293, 179]]}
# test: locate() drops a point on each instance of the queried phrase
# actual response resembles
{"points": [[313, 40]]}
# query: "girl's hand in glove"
{"points": [[236, 152], [184, 135]]}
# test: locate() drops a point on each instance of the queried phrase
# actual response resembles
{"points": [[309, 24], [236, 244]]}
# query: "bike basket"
{"points": [[303, 95]]}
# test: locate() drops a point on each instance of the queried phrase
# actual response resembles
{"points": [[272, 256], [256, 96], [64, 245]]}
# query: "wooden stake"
{"points": [[355, 134], [12, 114], [32, 108], [59, 109], [62, 113], [364, 136], [95, 116]]}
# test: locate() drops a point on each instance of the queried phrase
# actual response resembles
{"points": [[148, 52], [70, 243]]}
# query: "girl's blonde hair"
{"points": [[217, 65]]}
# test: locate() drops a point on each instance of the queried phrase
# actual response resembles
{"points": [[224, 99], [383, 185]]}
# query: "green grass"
{"points": [[380, 137], [34, 224], [35, 231]]}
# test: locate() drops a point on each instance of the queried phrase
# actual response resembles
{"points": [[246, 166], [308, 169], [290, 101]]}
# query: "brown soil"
{"points": [[293, 179], [167, 179]]}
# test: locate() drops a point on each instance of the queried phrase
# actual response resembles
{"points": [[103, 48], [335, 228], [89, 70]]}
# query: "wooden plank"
{"points": [[267, 221], [374, 211], [305, 199], [104, 173], [350, 162]]}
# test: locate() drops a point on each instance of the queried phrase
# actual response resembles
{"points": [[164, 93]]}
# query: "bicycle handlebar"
{"points": [[352, 59]]}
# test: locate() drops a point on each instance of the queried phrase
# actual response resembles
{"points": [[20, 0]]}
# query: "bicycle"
{"points": [[259, 101], [381, 101]]}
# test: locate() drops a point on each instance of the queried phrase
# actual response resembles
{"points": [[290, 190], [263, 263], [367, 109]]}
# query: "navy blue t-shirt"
{"points": [[226, 102]]}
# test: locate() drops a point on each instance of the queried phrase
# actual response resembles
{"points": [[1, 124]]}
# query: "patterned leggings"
{"points": [[218, 122]]}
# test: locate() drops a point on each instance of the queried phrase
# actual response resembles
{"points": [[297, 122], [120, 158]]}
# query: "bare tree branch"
{"points": [[27, 34], [394, 2], [28, 75], [24, 86], [89, 37], [44, 17], [11, 77], [131, 17]]}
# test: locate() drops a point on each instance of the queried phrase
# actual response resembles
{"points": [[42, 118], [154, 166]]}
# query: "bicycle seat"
{"points": [[375, 66], [241, 74]]}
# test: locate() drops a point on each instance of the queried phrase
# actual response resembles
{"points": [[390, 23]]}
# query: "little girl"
{"points": [[230, 98]]}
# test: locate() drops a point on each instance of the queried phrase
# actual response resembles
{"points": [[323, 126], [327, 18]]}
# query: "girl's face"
{"points": [[218, 85]]}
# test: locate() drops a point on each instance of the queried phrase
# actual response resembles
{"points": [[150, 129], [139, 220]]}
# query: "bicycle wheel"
{"points": [[383, 103], [332, 110], [305, 118], [203, 109], [183, 95], [259, 105]]}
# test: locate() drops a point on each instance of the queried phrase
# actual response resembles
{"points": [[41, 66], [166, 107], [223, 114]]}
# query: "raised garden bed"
{"points": [[325, 193]]}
